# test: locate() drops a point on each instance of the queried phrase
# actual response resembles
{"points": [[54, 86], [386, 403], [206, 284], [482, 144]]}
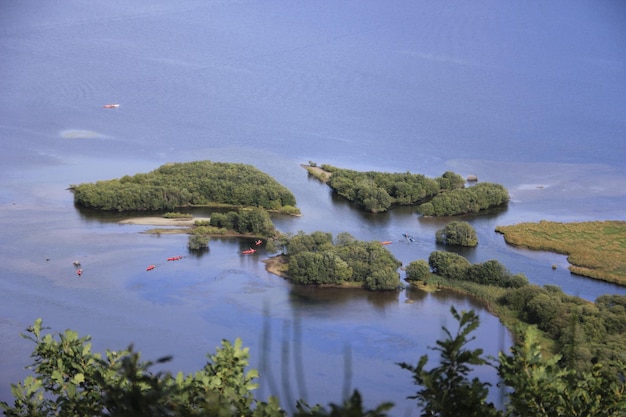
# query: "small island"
{"points": [[188, 184], [377, 192], [318, 259]]}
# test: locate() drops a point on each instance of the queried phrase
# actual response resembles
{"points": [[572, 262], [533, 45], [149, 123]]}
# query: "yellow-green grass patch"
{"points": [[594, 249]]}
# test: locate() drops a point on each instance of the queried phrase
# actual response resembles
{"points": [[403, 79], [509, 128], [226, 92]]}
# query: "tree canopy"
{"points": [[315, 259], [491, 272], [378, 191], [467, 200], [254, 221], [457, 234], [196, 183]]}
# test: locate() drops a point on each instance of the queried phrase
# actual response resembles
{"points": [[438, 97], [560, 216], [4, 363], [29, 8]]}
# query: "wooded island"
{"points": [[377, 192], [185, 184]]}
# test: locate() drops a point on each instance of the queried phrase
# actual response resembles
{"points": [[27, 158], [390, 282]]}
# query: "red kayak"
{"points": [[111, 106], [249, 251], [175, 258], [150, 268]]}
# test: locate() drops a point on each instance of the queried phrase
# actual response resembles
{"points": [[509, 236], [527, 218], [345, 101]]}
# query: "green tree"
{"points": [[417, 271], [190, 183], [71, 380], [255, 221], [447, 390], [197, 242], [457, 233], [351, 407], [450, 181], [448, 264], [466, 200], [541, 387]]}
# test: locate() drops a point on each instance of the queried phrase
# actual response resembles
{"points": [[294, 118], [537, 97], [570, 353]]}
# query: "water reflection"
{"points": [[88, 215], [199, 253]]}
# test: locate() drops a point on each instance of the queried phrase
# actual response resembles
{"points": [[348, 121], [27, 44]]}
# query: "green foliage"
{"points": [[352, 407], [542, 388], [199, 223], [448, 264], [254, 221], [492, 272], [70, 380], [457, 234], [289, 210], [318, 268], [315, 259], [417, 271], [378, 191], [313, 242], [197, 242], [447, 390], [187, 184], [585, 333], [467, 200], [535, 386]]}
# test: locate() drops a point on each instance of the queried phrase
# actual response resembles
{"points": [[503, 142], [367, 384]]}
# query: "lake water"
{"points": [[528, 94]]}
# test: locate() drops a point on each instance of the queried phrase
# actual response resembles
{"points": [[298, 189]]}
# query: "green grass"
{"points": [[594, 249]]}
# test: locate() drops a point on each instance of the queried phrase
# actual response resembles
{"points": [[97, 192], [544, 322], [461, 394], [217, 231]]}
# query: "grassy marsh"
{"points": [[594, 249]]}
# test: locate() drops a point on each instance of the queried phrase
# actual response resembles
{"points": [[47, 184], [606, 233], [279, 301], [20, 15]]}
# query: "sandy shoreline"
{"points": [[162, 221]]}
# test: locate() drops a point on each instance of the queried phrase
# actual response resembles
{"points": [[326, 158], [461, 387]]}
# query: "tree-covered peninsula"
{"points": [[581, 332], [378, 191], [317, 259], [199, 183]]}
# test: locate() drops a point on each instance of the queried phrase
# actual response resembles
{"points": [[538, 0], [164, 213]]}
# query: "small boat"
{"points": [[386, 242], [248, 251], [150, 267], [258, 242], [79, 272], [408, 237], [175, 258], [111, 106]]}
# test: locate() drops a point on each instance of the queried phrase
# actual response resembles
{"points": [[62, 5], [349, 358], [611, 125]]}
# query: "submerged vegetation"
{"points": [[594, 249], [378, 191], [199, 183]]}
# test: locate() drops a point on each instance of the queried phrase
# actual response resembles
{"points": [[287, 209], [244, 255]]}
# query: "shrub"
{"points": [[457, 234], [197, 242], [417, 271]]}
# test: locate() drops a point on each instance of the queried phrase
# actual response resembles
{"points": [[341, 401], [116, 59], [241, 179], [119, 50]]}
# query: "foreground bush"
{"points": [[70, 380]]}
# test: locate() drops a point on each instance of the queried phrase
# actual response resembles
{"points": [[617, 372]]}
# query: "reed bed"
{"points": [[594, 249]]}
